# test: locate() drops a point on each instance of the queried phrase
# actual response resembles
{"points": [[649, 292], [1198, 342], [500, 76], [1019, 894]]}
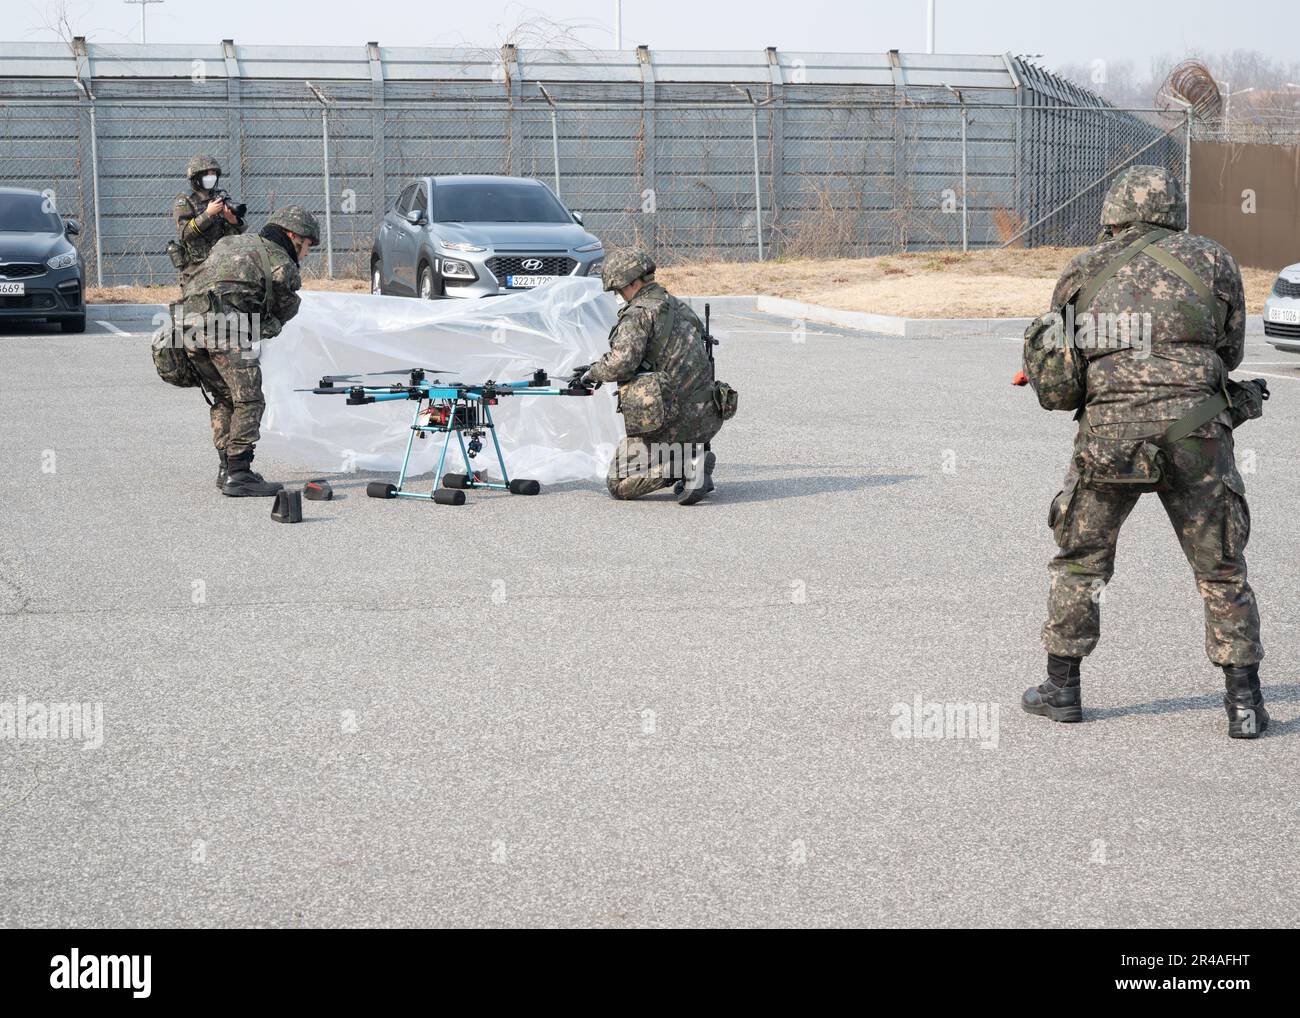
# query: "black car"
{"points": [[40, 270]]}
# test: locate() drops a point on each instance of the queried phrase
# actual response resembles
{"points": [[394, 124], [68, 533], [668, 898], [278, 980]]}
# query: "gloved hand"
{"points": [[582, 376]]}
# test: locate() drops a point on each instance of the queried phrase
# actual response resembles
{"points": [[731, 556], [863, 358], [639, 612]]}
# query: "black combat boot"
{"points": [[222, 472], [242, 481], [1061, 696], [693, 489], [1243, 701]]}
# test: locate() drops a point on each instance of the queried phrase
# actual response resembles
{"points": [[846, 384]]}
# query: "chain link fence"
{"points": [[735, 181]]}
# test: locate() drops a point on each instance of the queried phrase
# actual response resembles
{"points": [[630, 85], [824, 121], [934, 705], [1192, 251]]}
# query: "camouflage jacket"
{"points": [[1182, 359], [197, 232], [233, 275], [657, 332]]}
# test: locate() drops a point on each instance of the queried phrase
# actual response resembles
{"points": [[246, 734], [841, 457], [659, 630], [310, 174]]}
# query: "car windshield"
{"points": [[25, 213], [497, 201]]}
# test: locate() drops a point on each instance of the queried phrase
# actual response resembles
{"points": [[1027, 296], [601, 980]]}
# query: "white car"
{"points": [[1282, 311]]}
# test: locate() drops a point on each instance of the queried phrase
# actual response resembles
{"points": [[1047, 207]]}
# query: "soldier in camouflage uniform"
{"points": [[656, 332], [244, 276], [202, 219], [1136, 394]]}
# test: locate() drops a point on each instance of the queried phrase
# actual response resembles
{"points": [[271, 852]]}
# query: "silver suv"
{"points": [[478, 236], [1282, 311]]}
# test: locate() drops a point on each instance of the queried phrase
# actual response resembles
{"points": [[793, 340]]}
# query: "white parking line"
{"points": [[1289, 378], [112, 328]]}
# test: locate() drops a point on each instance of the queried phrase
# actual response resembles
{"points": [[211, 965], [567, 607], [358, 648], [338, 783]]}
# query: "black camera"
{"points": [[239, 208]]}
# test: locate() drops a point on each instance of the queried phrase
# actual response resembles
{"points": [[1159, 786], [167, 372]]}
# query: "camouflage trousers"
{"points": [[235, 384], [645, 463], [1206, 503]]}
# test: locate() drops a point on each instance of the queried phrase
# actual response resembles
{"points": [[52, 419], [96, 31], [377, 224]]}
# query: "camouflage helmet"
{"points": [[199, 163], [296, 219], [1145, 194], [623, 267]]}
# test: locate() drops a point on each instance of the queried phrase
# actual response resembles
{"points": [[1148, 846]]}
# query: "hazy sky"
{"points": [[1063, 33]]}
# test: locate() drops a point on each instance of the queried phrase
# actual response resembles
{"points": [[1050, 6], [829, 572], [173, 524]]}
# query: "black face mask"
{"points": [[277, 235]]}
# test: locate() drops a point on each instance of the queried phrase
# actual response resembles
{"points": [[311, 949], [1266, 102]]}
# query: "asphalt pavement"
{"points": [[564, 710]]}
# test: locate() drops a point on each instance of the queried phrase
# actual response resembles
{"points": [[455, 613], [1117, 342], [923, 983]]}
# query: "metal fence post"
{"points": [[555, 150], [94, 196], [1187, 163], [329, 225], [555, 136], [758, 186], [776, 142], [378, 135], [648, 146], [965, 226]]}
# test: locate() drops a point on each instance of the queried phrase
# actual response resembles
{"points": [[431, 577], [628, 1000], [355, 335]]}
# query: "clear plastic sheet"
{"points": [[552, 439]]}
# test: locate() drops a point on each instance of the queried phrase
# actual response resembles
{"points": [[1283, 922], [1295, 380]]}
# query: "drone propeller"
{"points": [[330, 379]]}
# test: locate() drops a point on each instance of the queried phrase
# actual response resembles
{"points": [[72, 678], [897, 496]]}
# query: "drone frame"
{"points": [[465, 408]]}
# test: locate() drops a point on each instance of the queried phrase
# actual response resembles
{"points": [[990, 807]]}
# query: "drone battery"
{"points": [[288, 507], [318, 491]]}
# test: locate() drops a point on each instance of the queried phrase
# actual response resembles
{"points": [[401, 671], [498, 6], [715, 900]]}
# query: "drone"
{"points": [[447, 408]]}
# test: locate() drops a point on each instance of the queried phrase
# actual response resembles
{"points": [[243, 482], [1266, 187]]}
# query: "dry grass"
{"points": [[167, 294], [1001, 283]]}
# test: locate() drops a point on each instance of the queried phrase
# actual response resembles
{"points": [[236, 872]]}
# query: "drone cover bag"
{"points": [[646, 403], [169, 358]]}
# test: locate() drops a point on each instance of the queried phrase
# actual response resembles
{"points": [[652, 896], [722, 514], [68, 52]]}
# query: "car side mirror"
{"points": [[71, 227], [415, 217], [577, 217]]}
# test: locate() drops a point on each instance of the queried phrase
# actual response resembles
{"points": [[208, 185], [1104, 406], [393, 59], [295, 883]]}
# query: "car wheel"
{"points": [[426, 289], [77, 324], [377, 279]]}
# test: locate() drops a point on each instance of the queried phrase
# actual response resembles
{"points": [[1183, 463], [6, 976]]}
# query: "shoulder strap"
{"points": [[264, 261], [1180, 269], [1204, 412], [1114, 265]]}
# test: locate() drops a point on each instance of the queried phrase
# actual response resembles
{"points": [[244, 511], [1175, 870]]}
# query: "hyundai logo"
{"points": [[531, 264]]}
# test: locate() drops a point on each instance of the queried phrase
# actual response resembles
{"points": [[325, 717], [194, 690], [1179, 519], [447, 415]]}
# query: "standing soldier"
{"points": [[660, 357], [246, 289], [202, 217], [1157, 415]]}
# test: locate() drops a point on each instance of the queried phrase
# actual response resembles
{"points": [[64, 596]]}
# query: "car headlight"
{"points": [[452, 245], [62, 261], [589, 247], [453, 268]]}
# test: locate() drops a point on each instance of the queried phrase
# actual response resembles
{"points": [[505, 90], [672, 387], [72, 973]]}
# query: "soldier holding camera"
{"points": [[202, 217]]}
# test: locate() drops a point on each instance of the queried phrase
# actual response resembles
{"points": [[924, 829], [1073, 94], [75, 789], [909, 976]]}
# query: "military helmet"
{"points": [[200, 163], [1145, 194], [623, 267], [296, 219]]}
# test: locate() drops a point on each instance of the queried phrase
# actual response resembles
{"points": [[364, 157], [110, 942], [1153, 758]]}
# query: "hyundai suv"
{"points": [[40, 270], [478, 236]]}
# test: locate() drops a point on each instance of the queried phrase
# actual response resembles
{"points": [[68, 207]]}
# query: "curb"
{"points": [[895, 325], [124, 312]]}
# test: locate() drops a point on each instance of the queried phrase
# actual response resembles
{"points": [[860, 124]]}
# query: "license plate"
{"points": [[12, 289], [1289, 315], [525, 282]]}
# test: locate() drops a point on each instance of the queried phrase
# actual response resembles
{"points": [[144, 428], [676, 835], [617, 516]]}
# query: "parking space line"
{"points": [[111, 327], [1289, 378]]}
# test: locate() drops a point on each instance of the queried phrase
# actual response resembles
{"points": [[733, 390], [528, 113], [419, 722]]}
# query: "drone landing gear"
{"points": [[466, 416]]}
